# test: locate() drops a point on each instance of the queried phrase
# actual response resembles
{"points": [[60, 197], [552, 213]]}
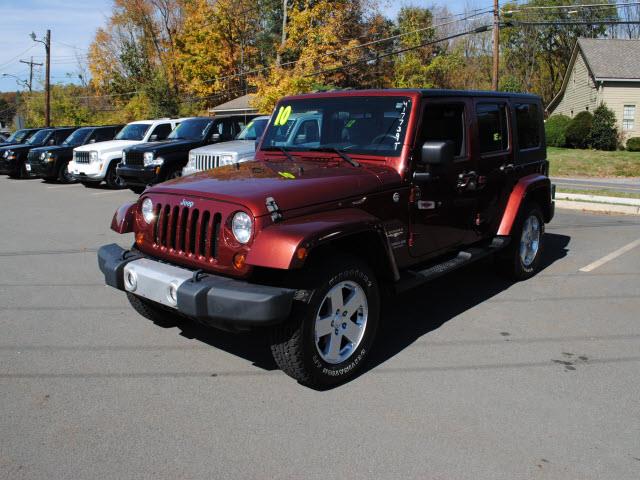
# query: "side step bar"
{"points": [[414, 278]]}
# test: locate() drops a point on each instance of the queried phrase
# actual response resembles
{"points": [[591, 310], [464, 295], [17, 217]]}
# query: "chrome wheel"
{"points": [[530, 240], [340, 322]]}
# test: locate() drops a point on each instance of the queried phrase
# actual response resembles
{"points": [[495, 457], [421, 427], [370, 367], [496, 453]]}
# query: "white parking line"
{"points": [[108, 192], [611, 256], [65, 186]]}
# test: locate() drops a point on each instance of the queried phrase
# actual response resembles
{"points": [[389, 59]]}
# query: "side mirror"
{"points": [[153, 138], [93, 140], [437, 153], [51, 142], [215, 137]]}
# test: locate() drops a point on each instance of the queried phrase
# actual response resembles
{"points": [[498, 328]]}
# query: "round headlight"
{"points": [[241, 227], [147, 210], [43, 156]]}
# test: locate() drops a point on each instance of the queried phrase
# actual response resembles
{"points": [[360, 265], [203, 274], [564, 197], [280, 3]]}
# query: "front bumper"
{"points": [[7, 166], [213, 300], [41, 169], [139, 176]]}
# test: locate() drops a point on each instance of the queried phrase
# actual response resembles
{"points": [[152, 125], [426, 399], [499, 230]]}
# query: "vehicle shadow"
{"points": [[403, 319]]}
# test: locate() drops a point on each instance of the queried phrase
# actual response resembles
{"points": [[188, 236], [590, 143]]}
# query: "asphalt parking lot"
{"points": [[473, 377]]}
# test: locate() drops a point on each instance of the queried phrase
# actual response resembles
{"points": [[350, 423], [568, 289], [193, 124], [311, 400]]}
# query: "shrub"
{"points": [[633, 144], [604, 133], [555, 129], [579, 129]]}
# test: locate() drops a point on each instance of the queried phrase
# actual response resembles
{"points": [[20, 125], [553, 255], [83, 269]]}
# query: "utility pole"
{"points": [[47, 81], [31, 65], [496, 43], [284, 30]]}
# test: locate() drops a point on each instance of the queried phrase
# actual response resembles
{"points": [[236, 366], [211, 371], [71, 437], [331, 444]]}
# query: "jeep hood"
{"points": [[234, 146], [107, 147], [293, 185], [166, 146]]}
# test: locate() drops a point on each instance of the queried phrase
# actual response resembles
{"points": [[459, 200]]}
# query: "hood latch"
{"points": [[273, 209]]}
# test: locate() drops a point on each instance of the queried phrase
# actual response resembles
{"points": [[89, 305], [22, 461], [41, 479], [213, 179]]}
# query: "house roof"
{"points": [[237, 105], [611, 59], [607, 60]]}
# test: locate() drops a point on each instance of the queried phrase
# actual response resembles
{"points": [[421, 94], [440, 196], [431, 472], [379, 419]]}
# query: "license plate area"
{"points": [[155, 281]]}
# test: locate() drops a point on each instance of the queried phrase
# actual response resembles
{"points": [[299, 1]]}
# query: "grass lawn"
{"points": [[567, 162]]}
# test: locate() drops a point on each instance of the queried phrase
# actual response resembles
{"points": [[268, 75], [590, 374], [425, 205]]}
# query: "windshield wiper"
{"points": [[342, 154], [280, 149]]}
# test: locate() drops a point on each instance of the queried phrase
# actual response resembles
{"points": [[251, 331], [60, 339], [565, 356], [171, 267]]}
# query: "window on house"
{"points": [[628, 117], [493, 131]]}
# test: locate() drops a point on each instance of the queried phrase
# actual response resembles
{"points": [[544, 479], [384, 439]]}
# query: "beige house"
{"points": [[603, 71]]}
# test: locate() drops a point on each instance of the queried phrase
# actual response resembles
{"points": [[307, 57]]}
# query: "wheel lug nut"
{"points": [[336, 331], [344, 325], [344, 314]]}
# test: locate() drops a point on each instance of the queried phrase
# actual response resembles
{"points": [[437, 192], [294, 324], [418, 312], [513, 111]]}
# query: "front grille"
{"points": [[33, 157], [204, 161], [83, 157], [134, 158], [187, 230]]}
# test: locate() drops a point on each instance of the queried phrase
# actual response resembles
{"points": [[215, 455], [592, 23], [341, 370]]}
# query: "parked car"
{"points": [[51, 163], [19, 136], [93, 164], [402, 187], [14, 157], [148, 164], [225, 153]]}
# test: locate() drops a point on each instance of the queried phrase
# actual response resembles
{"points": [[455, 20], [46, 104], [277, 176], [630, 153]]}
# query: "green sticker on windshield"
{"points": [[287, 175], [283, 116], [350, 123]]}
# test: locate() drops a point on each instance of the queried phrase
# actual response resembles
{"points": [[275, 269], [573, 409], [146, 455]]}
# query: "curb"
{"points": [[584, 197], [586, 206]]}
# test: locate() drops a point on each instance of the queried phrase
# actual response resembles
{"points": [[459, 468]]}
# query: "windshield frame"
{"points": [[206, 131], [123, 129], [392, 121]]}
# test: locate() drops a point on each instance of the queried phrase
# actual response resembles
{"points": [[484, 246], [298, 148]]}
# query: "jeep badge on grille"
{"points": [[186, 203]]}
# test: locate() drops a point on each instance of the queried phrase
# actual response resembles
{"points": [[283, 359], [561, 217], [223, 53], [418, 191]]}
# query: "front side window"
{"points": [[162, 131], [133, 131], [628, 117], [528, 125], [40, 138], [371, 125], [191, 129], [493, 130], [444, 122]]}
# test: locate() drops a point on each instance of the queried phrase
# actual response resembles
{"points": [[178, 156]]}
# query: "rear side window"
{"points": [[528, 125], [493, 130]]}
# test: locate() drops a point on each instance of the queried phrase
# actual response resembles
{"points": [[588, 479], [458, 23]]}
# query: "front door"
{"points": [[443, 210]]}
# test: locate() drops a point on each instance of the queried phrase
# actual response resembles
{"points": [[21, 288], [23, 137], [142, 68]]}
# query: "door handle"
{"points": [[507, 168]]}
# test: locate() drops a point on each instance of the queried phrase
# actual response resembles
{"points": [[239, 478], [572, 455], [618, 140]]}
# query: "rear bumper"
{"points": [[138, 176], [213, 300]]}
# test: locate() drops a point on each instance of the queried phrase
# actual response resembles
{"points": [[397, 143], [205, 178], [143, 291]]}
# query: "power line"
{"points": [[570, 7]]}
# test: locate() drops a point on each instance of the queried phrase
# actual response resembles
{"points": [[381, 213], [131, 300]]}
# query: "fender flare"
{"points": [[525, 186], [278, 245], [124, 218]]}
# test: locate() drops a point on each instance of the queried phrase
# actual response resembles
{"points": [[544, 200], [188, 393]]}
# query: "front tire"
{"points": [[64, 175], [111, 178], [137, 190], [521, 259], [327, 338]]}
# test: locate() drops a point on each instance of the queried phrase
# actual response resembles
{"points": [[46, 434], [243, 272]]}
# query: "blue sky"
{"points": [[73, 25]]}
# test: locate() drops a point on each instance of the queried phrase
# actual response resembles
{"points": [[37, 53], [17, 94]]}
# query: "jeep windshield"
{"points": [[133, 131], [253, 130], [77, 138], [370, 125], [17, 137], [191, 129], [39, 138]]}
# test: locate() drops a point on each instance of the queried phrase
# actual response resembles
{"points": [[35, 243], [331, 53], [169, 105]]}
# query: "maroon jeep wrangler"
{"points": [[351, 193]]}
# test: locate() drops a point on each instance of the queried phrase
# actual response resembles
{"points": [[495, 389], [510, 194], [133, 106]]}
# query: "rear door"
{"points": [[493, 142]]}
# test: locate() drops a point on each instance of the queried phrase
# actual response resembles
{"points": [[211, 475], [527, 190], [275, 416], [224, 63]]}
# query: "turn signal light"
{"points": [[239, 260], [139, 238], [301, 253]]}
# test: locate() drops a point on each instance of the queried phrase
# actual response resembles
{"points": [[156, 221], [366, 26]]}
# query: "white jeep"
{"points": [[96, 162]]}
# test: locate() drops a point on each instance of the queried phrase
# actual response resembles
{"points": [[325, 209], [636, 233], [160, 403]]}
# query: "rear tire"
{"points": [[152, 311], [327, 338], [521, 259]]}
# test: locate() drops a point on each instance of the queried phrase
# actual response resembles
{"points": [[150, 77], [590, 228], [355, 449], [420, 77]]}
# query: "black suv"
{"points": [[151, 163], [51, 163], [19, 136], [13, 159]]}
